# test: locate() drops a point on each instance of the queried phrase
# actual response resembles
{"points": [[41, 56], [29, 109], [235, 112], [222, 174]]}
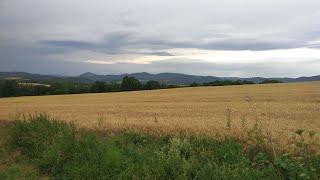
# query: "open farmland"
{"points": [[274, 132], [278, 108]]}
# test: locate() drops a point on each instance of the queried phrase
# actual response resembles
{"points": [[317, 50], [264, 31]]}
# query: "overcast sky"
{"points": [[242, 38]]}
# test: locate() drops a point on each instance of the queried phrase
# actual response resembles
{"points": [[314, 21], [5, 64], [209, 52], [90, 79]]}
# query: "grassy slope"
{"points": [[62, 151]]}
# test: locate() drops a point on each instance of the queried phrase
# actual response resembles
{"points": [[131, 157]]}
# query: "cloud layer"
{"points": [[209, 37]]}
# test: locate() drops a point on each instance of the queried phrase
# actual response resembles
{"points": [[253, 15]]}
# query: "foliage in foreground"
{"points": [[60, 150], [12, 165]]}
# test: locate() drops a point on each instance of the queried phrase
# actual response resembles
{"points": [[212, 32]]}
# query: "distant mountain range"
{"points": [[166, 78]]}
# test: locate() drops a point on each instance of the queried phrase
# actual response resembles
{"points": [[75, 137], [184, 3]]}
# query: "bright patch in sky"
{"points": [[221, 57]]}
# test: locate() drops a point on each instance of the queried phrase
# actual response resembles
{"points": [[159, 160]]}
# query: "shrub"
{"points": [[34, 135], [60, 150]]}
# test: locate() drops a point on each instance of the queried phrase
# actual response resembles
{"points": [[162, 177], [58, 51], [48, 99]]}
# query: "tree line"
{"points": [[228, 82], [13, 88]]}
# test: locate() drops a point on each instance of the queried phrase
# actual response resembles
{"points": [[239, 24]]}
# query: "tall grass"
{"points": [[62, 151]]}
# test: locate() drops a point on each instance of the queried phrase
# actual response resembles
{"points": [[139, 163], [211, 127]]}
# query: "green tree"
{"points": [[8, 88], [152, 85], [98, 87], [130, 84], [268, 81], [194, 84], [113, 87]]}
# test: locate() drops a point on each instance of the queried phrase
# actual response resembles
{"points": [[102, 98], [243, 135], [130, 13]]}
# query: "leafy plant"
{"points": [[62, 151]]}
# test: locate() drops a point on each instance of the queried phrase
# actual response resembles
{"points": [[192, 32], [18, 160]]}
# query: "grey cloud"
{"points": [[115, 40], [128, 19], [68, 44], [314, 45], [118, 42], [250, 44], [223, 44], [159, 53], [111, 43], [30, 39], [198, 67], [39, 63]]}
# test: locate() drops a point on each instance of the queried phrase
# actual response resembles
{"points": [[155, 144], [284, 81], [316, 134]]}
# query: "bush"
{"points": [[56, 149], [60, 150], [32, 136]]}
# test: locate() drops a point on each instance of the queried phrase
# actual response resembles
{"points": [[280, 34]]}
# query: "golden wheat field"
{"points": [[278, 108]]}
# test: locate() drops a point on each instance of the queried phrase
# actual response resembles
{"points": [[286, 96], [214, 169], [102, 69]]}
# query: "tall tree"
{"points": [[152, 85], [9, 88], [98, 87], [130, 84]]}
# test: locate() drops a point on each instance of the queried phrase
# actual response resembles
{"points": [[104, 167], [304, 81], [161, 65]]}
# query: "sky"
{"points": [[238, 38]]}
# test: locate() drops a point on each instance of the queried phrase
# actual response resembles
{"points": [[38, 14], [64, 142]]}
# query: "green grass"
{"points": [[12, 164], [61, 151]]}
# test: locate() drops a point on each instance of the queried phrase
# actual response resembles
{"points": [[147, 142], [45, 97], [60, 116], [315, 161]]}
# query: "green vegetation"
{"points": [[268, 81], [130, 84], [227, 83], [152, 85], [100, 87], [12, 164], [13, 88], [62, 151], [8, 88]]}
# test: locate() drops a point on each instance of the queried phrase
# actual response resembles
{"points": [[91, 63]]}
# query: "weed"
{"points": [[62, 151], [228, 118], [244, 122], [101, 121]]}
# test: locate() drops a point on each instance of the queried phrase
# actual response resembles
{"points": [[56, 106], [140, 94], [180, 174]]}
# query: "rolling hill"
{"points": [[166, 78]]}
